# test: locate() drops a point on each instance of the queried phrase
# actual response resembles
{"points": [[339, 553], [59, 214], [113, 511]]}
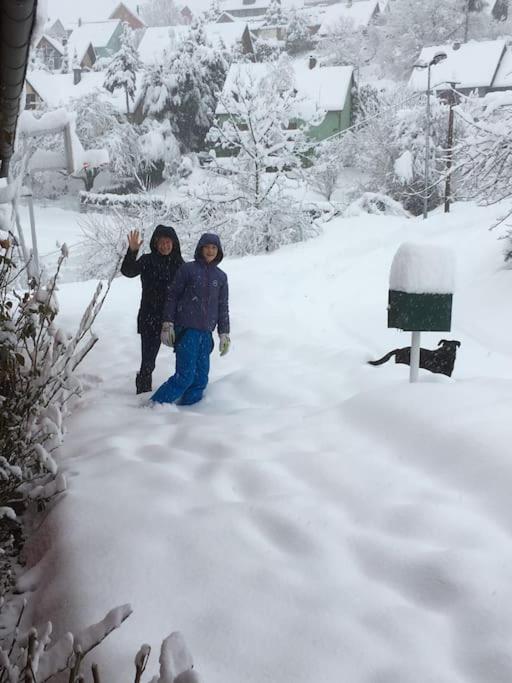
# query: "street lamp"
{"points": [[438, 57]]}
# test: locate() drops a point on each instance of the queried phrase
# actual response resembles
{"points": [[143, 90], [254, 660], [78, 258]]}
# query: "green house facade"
{"points": [[320, 90]]}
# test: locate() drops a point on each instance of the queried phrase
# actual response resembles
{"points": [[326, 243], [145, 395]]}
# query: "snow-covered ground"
{"points": [[313, 518]]}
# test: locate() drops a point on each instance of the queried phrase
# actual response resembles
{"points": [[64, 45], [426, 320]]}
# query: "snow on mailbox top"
{"points": [[422, 269]]}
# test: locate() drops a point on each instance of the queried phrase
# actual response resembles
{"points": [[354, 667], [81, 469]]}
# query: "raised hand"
{"points": [[134, 241]]}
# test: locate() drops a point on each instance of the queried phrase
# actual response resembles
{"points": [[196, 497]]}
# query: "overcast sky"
{"points": [[96, 10]]}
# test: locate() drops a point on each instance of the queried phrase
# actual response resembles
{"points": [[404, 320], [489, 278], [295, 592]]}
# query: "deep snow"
{"points": [[313, 518]]}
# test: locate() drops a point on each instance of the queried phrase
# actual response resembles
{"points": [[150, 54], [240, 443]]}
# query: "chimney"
{"points": [[77, 75], [312, 62], [79, 21]]}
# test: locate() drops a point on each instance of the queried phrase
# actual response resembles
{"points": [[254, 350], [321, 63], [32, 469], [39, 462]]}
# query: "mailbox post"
{"points": [[421, 287]]}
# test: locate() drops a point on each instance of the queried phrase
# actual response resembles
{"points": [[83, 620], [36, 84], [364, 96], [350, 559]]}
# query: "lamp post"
{"points": [[435, 60]]}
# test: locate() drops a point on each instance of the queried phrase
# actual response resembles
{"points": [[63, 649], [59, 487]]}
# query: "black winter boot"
{"points": [[143, 383]]}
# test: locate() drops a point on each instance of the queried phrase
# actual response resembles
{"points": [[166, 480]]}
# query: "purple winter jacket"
{"points": [[198, 296]]}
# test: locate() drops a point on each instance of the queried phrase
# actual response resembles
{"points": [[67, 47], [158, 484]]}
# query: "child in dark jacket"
{"points": [[157, 271], [196, 305]]}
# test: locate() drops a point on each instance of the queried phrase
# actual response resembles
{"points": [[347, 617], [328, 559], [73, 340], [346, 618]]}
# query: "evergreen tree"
{"points": [[123, 67], [274, 15], [298, 35], [157, 91], [213, 12], [199, 72]]}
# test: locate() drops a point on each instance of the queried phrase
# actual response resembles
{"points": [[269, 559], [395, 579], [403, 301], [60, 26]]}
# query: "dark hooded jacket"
{"points": [[156, 273], [198, 297]]}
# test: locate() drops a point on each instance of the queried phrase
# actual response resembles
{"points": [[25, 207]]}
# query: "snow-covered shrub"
{"points": [[37, 379], [98, 124], [376, 204], [268, 50], [115, 202], [159, 152], [252, 230], [327, 165], [34, 656]]}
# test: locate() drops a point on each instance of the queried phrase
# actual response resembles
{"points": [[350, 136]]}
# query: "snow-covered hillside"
{"points": [[313, 518]]}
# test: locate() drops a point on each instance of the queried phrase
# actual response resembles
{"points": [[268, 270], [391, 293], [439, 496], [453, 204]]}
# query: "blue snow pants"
{"points": [[193, 349]]}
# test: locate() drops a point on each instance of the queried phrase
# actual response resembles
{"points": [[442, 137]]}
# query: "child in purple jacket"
{"points": [[196, 304]]}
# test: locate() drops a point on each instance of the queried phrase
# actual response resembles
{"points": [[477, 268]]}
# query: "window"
{"points": [[30, 101], [248, 2]]}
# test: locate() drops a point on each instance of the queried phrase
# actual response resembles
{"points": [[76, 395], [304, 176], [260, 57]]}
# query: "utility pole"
{"points": [[449, 148], [438, 57], [466, 20]]}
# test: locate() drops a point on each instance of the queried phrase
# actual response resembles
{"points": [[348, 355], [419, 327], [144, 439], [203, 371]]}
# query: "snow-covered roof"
{"points": [[322, 88], [360, 13], [258, 5], [238, 5], [470, 65], [159, 39], [503, 77], [53, 42], [95, 33], [58, 89]]}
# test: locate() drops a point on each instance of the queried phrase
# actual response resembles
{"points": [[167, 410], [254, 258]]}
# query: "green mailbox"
{"points": [[421, 287], [414, 312]]}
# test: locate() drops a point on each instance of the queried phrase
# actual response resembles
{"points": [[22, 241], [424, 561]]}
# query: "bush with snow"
{"points": [[38, 383], [377, 204], [34, 655]]}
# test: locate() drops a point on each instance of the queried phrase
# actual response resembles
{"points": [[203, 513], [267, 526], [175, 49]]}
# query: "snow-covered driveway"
{"points": [[313, 518]]}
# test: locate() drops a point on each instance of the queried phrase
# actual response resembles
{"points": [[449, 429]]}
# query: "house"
{"points": [[324, 92], [473, 66], [104, 36], [125, 14], [249, 9], [498, 9], [158, 40], [503, 76], [57, 90], [361, 14], [51, 51], [243, 9], [58, 31], [80, 50]]}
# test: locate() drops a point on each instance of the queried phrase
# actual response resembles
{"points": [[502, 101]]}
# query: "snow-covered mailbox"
{"points": [[421, 288]]}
